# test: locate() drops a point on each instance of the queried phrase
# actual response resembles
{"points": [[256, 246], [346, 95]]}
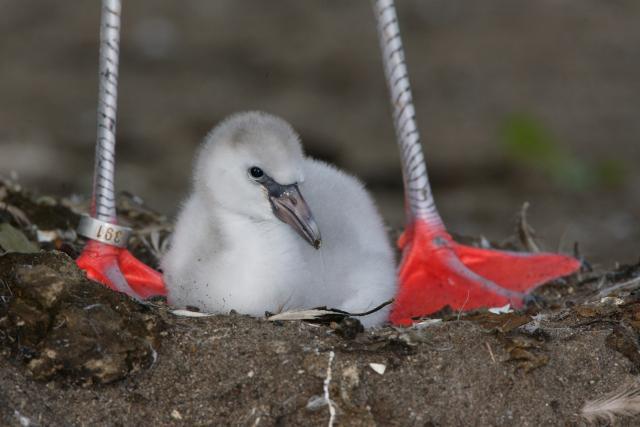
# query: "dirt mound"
{"points": [[63, 326]]}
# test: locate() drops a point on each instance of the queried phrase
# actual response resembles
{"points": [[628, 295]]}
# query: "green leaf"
{"points": [[528, 142], [14, 240], [526, 139]]}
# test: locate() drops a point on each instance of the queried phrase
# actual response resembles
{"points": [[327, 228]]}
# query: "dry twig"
{"points": [[327, 396], [525, 232]]}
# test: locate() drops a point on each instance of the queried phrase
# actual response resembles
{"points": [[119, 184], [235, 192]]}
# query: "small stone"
{"points": [[316, 403], [378, 368], [612, 301], [279, 347], [348, 328], [501, 310], [176, 415]]}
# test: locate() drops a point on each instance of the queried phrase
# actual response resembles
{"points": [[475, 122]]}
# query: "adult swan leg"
{"points": [[105, 258], [435, 270]]}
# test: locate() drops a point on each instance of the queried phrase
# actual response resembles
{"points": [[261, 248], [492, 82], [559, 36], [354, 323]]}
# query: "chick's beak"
{"points": [[290, 207]]}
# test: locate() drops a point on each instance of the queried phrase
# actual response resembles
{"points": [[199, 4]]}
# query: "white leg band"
{"points": [[104, 232]]}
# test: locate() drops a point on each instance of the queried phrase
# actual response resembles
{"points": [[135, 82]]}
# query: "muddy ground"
{"points": [[76, 353]]}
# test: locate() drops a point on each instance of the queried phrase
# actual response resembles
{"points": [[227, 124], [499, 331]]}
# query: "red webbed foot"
{"points": [[437, 272], [119, 270]]}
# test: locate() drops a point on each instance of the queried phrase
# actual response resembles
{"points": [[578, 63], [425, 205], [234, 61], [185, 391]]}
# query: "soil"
{"points": [[76, 353]]}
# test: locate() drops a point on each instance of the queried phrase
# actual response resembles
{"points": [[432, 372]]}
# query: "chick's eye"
{"points": [[256, 172]]}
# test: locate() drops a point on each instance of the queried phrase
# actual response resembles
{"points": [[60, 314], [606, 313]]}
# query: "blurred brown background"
{"points": [[517, 101]]}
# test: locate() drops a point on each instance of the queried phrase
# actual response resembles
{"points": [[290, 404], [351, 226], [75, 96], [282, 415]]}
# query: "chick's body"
{"points": [[228, 256]]}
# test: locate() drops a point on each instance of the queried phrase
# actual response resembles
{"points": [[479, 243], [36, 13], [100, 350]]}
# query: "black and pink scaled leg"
{"points": [[436, 271], [105, 257]]}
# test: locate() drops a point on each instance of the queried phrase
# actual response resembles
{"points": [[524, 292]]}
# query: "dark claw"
{"points": [[534, 300]]}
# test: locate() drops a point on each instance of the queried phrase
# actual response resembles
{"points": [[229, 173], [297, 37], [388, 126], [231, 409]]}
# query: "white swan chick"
{"points": [[268, 229]]}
